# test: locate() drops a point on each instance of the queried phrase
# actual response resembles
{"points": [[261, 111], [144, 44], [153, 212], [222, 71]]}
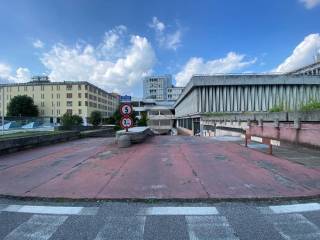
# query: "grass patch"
{"points": [[310, 106], [277, 108]]}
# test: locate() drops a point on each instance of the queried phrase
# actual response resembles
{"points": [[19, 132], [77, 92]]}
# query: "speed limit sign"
{"points": [[126, 122], [126, 109]]}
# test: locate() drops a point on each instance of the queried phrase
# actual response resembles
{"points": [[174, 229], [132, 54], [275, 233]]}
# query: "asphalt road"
{"points": [[111, 220]]}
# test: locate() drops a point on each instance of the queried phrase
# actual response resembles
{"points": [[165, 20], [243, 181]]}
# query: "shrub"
{"points": [[95, 118], [310, 106], [277, 108], [69, 121]]}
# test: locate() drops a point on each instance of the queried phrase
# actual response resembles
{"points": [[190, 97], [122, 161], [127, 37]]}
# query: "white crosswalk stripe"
{"points": [[186, 211], [209, 227], [296, 208], [294, 227], [38, 227], [56, 210], [123, 228]]}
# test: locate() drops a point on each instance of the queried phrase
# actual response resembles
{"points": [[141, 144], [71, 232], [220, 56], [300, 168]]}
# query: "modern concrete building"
{"points": [[160, 114], [312, 69], [57, 98], [160, 88], [155, 87], [216, 94], [173, 93]]}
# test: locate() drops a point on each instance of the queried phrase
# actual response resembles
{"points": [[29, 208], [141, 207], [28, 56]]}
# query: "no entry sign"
{"points": [[125, 109], [126, 122]]}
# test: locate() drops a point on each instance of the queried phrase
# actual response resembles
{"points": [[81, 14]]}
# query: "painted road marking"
{"points": [[295, 227], [56, 210], [295, 208], [209, 227], [187, 211], [38, 227], [122, 228]]}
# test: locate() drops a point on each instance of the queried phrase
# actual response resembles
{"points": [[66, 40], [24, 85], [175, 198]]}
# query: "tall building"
{"points": [[160, 88], [57, 98], [173, 93], [155, 87]]}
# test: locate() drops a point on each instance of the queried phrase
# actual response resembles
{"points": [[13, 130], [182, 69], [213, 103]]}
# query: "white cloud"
{"points": [[168, 40], [38, 44], [7, 75], [157, 25], [115, 64], [230, 63], [309, 4], [302, 55]]}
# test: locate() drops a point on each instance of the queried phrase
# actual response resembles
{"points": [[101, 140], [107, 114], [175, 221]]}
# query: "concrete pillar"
{"points": [[297, 123]]}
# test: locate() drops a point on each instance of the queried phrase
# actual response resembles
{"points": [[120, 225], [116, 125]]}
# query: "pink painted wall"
{"points": [[309, 133]]}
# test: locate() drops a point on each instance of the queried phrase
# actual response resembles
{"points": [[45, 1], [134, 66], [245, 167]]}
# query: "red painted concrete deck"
{"points": [[165, 167]]}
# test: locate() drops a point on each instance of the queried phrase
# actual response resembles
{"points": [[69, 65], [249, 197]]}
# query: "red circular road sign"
{"points": [[125, 109], [126, 122]]}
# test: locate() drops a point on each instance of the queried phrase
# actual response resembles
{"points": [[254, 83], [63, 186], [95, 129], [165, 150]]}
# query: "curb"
{"points": [[168, 200]]}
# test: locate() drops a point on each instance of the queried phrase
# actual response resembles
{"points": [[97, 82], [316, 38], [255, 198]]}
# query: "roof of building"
{"points": [[247, 79], [33, 83], [306, 67]]}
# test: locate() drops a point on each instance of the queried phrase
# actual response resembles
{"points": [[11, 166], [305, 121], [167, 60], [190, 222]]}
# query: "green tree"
{"points": [[143, 121], [22, 106], [69, 121], [95, 118]]}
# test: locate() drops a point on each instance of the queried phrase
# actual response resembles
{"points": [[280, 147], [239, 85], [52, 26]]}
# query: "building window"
{"points": [[79, 87], [69, 87], [69, 103], [69, 111], [42, 88], [42, 96], [86, 103], [69, 95], [58, 104], [42, 104], [86, 87], [58, 87], [79, 95], [79, 103], [80, 111], [58, 95]]}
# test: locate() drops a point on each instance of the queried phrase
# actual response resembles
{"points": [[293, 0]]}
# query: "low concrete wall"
{"points": [[305, 134], [107, 132], [295, 127], [312, 116], [136, 134], [16, 144]]}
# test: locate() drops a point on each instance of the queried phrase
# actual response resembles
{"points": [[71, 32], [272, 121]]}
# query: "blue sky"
{"points": [[115, 43]]}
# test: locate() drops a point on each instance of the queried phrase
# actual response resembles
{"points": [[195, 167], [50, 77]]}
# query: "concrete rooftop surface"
{"points": [[164, 167]]}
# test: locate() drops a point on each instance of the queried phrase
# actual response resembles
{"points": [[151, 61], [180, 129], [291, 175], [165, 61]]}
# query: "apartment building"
{"points": [[57, 98]]}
